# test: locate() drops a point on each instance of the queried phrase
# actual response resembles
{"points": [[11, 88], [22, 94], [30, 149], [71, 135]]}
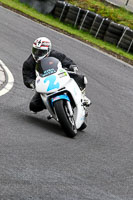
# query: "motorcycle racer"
{"points": [[42, 48]]}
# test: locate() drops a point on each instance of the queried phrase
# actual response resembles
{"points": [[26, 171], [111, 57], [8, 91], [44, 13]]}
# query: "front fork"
{"points": [[69, 108]]}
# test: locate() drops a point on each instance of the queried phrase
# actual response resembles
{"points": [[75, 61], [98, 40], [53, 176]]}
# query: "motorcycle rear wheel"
{"points": [[67, 122], [84, 125]]}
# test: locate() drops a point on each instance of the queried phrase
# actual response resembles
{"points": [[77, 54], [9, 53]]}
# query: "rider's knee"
{"points": [[36, 108]]}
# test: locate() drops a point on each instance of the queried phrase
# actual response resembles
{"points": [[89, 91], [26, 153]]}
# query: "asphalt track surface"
{"points": [[37, 161]]}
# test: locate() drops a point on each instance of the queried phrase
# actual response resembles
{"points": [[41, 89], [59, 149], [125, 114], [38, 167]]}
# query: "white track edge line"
{"points": [[10, 80]]}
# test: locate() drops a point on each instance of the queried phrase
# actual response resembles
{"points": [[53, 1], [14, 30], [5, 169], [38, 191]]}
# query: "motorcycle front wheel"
{"points": [[67, 122]]}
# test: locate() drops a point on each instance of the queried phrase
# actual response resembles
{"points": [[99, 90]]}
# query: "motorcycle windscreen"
{"points": [[47, 66]]}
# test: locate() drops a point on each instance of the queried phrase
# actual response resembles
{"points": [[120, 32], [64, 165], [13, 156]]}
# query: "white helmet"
{"points": [[41, 48]]}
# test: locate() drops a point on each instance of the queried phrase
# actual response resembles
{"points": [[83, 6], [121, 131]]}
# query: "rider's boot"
{"points": [[86, 100]]}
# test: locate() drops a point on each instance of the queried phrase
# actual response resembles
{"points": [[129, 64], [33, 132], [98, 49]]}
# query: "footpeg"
{"points": [[49, 117], [87, 103]]}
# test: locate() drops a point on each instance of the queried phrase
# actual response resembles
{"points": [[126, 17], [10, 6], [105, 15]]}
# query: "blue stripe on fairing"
{"points": [[62, 96]]}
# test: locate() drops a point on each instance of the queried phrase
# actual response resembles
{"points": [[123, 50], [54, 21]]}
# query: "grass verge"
{"points": [[117, 14], [48, 20]]}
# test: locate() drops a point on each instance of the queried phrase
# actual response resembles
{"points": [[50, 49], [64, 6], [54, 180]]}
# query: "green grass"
{"points": [[118, 15], [84, 36]]}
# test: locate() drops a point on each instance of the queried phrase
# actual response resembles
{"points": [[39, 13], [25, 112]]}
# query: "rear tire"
{"points": [[83, 126], [67, 122]]}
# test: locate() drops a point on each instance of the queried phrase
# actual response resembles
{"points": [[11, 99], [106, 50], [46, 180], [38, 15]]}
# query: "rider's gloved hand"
{"points": [[73, 68], [32, 85]]}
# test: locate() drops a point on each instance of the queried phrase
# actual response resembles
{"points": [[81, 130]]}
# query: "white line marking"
{"points": [[10, 80]]}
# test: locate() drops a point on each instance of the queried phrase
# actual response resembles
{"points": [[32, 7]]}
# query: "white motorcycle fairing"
{"points": [[55, 85]]}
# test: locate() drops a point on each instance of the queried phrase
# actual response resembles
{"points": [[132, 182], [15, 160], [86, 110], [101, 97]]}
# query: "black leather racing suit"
{"points": [[29, 76]]}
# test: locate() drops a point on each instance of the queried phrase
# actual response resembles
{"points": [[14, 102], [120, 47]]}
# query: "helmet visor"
{"points": [[38, 52]]}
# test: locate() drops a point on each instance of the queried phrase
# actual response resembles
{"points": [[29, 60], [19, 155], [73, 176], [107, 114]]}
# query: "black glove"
{"points": [[32, 85], [73, 68]]}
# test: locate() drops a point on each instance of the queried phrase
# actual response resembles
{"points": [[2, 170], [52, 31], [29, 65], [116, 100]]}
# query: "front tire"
{"points": [[67, 122]]}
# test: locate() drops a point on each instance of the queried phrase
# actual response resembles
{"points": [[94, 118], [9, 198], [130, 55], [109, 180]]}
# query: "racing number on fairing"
{"points": [[51, 85]]}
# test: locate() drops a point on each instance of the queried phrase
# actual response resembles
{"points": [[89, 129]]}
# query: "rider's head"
{"points": [[41, 48]]}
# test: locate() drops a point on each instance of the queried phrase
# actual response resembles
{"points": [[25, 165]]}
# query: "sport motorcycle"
{"points": [[61, 95]]}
